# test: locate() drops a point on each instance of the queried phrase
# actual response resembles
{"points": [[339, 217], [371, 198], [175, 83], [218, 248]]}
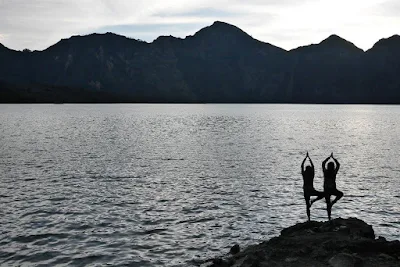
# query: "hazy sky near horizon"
{"points": [[37, 24]]}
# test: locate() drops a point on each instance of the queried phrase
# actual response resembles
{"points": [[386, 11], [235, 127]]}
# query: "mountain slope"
{"points": [[325, 72], [224, 64], [381, 71]]}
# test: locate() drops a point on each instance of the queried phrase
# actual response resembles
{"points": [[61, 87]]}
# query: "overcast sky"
{"points": [[37, 24]]}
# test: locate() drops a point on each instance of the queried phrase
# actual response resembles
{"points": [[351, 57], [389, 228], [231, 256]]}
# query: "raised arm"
{"points": [[312, 165], [302, 164], [337, 164], [324, 163]]}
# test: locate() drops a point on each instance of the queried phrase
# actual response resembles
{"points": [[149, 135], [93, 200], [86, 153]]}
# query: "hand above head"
{"points": [[302, 164], [307, 154], [332, 155]]}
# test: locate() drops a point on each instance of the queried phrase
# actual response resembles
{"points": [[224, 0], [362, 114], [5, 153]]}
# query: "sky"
{"points": [[38, 24]]}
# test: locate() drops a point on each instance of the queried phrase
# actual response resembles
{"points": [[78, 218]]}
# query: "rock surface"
{"points": [[338, 243]]}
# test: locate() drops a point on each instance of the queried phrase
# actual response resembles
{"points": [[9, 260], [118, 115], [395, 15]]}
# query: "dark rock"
{"points": [[340, 242], [386, 256], [346, 260], [235, 249], [381, 238]]}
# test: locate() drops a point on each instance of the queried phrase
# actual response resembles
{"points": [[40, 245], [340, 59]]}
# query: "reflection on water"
{"points": [[163, 185]]}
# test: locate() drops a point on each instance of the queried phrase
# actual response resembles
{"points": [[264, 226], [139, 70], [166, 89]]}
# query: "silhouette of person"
{"points": [[330, 183], [308, 185]]}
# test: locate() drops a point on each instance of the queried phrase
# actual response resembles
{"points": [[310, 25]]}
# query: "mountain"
{"points": [[324, 72], [392, 42], [219, 63], [381, 71]]}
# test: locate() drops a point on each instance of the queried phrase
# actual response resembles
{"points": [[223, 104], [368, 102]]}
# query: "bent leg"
{"points": [[318, 194], [338, 194]]}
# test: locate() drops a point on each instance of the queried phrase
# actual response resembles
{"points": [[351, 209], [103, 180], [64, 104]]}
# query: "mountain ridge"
{"points": [[219, 63], [216, 24], [386, 41]]}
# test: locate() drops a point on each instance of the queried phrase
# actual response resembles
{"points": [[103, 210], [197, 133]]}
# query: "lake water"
{"points": [[169, 185]]}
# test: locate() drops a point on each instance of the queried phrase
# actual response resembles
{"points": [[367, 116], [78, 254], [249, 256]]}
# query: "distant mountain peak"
{"points": [[393, 37], [94, 40], [3, 47], [165, 38], [106, 35], [219, 27], [338, 42], [384, 42], [218, 23], [334, 39], [98, 36]]}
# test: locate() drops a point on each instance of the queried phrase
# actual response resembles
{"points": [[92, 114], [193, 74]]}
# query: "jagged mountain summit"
{"points": [[337, 41], [219, 63], [393, 41], [332, 42]]}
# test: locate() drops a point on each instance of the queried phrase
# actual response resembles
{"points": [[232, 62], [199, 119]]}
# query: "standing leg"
{"points": [[307, 198], [328, 205]]}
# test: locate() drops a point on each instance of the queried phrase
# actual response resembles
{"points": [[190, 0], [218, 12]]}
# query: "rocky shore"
{"points": [[337, 243]]}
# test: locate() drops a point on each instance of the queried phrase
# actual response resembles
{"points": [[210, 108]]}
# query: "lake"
{"points": [[170, 185]]}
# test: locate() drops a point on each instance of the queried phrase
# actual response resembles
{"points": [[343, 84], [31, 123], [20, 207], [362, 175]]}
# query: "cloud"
{"points": [[201, 12], [37, 24], [389, 8]]}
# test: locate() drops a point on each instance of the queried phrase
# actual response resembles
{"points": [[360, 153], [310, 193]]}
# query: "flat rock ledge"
{"points": [[337, 243]]}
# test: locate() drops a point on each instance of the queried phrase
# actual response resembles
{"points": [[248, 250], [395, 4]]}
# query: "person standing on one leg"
{"points": [[330, 183], [308, 184]]}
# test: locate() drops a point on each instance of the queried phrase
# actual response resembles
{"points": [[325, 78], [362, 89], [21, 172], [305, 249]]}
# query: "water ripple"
{"points": [[170, 185]]}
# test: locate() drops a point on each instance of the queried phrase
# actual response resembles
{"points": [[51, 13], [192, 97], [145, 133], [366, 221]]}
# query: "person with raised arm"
{"points": [[330, 183], [308, 185]]}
